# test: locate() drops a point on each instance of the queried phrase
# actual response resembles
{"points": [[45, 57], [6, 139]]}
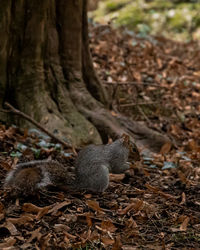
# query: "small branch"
{"points": [[134, 83], [143, 114], [28, 118], [135, 104], [4, 111]]}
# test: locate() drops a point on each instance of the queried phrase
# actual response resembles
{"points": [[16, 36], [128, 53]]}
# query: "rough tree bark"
{"points": [[46, 71]]}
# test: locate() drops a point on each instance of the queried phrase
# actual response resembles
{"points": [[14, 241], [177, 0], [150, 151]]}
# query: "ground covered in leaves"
{"points": [[155, 205]]}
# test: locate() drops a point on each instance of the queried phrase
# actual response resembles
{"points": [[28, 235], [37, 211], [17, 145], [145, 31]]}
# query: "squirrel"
{"points": [[92, 168]]}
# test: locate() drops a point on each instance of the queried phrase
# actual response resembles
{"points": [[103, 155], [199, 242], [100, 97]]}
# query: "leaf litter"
{"points": [[154, 205]]}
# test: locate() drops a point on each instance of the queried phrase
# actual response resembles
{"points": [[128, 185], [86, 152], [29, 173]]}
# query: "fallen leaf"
{"points": [[117, 244], [108, 226], [11, 228], [116, 177], [107, 241], [166, 148], [9, 242], [88, 219], [183, 226], [58, 206], [183, 198], [22, 220], [61, 228], [35, 235], [94, 205]]}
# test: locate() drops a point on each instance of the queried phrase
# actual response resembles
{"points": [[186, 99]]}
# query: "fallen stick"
{"points": [[28, 118]]}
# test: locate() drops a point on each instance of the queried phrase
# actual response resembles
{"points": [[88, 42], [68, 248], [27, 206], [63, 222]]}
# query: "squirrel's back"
{"points": [[110, 155]]}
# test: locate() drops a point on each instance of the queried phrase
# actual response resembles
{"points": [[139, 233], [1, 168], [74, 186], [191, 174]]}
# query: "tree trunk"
{"points": [[47, 72]]}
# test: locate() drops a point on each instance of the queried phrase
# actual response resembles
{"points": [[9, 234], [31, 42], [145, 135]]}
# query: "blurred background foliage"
{"points": [[175, 19]]}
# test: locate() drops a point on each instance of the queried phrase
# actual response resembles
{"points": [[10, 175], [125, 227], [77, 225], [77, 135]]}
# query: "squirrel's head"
{"points": [[134, 154]]}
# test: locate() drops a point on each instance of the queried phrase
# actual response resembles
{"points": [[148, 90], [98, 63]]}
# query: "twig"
{"points": [[4, 111], [143, 114], [135, 104], [134, 83], [28, 118]]}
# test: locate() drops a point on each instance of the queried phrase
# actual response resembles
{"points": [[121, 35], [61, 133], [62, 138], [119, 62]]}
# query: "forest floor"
{"points": [[155, 205]]}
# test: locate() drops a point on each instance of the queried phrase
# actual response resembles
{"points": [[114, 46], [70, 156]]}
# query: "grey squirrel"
{"points": [[92, 168]]}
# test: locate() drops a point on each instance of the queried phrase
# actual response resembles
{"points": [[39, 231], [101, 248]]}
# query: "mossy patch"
{"points": [[178, 20]]}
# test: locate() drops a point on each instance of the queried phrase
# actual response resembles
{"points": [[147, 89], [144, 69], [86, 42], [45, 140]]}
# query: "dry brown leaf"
{"points": [[107, 241], [5, 165], [94, 205], [117, 245], [61, 228], [10, 132], [11, 228], [108, 226], [131, 223], [126, 209], [22, 220], [167, 196], [138, 205], [182, 177], [166, 148], [157, 191], [114, 113], [159, 62], [2, 216], [192, 145], [8, 242], [183, 200], [88, 219], [35, 235], [196, 73], [69, 218], [41, 211], [58, 206], [151, 188], [2, 208], [29, 207], [183, 226], [68, 235], [137, 76], [116, 177]]}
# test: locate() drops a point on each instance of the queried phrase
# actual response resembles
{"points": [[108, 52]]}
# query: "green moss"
{"points": [[115, 5], [160, 5], [131, 16], [171, 19]]}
